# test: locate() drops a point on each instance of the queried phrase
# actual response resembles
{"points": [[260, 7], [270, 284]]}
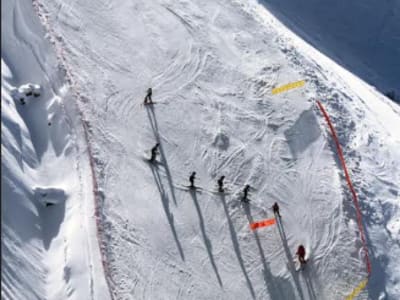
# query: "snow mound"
{"points": [[49, 195], [221, 141], [25, 91], [47, 252]]}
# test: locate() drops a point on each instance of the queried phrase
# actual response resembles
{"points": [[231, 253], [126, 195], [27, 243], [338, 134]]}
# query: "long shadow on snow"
{"points": [[165, 202], [236, 246], [289, 256], [153, 122], [276, 291], [52, 218], [309, 284], [205, 238]]}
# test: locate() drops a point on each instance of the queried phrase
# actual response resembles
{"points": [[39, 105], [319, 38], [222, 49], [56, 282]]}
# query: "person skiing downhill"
{"points": [[191, 179], [154, 152], [148, 99], [221, 184], [275, 207], [245, 192], [301, 253]]}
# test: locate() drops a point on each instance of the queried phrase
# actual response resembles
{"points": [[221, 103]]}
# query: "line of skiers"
{"points": [[220, 182], [301, 252]]}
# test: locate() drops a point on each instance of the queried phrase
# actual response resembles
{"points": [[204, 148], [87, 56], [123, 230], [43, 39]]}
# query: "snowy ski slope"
{"points": [[47, 252], [212, 66]]}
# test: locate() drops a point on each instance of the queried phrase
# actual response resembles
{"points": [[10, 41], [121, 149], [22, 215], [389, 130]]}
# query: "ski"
{"points": [[189, 188], [219, 193], [148, 104], [299, 266], [154, 162]]}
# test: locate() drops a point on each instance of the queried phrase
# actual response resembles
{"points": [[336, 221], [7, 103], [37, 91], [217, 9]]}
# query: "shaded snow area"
{"points": [[212, 66], [49, 246], [363, 36]]}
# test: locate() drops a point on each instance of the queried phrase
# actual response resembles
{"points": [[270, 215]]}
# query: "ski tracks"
{"points": [[194, 73]]}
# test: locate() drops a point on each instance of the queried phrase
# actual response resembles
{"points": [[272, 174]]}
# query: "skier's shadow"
{"points": [[165, 202], [236, 247], [153, 122], [291, 266], [274, 291], [207, 242], [310, 288]]}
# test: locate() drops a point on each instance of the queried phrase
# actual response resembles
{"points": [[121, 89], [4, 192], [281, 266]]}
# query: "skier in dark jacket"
{"points": [[191, 179], [154, 152], [148, 99], [245, 192], [221, 184], [275, 207], [301, 253]]}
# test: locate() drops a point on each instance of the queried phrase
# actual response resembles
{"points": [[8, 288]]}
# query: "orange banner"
{"points": [[263, 223]]}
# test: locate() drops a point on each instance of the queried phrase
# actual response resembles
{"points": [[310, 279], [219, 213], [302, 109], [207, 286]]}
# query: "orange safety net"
{"points": [[263, 223], [350, 184]]}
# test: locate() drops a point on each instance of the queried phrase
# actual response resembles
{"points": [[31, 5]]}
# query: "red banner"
{"points": [[263, 223]]}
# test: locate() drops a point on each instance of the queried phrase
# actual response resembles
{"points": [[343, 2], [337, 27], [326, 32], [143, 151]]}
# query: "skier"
{"points": [[154, 152], [245, 191], [191, 179], [301, 253], [275, 207], [148, 99], [221, 184]]}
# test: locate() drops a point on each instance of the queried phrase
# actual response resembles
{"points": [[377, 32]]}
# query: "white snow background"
{"points": [[212, 66]]}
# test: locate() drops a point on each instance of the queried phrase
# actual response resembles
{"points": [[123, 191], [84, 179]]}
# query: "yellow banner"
{"points": [[288, 87], [357, 290]]}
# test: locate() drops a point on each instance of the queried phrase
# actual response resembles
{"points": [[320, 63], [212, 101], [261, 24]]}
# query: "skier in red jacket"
{"points": [[301, 253]]}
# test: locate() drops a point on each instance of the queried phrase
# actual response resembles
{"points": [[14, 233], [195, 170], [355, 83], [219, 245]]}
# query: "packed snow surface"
{"points": [[212, 66]]}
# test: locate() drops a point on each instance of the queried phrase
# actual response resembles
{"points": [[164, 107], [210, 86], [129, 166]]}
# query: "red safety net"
{"points": [[349, 183]]}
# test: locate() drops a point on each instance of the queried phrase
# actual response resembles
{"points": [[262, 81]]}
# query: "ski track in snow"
{"points": [[212, 71], [241, 163]]}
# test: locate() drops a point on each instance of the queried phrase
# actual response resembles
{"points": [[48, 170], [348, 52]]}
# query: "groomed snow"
{"points": [[212, 66]]}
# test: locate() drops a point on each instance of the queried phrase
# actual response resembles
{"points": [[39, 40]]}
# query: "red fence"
{"points": [[350, 184]]}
